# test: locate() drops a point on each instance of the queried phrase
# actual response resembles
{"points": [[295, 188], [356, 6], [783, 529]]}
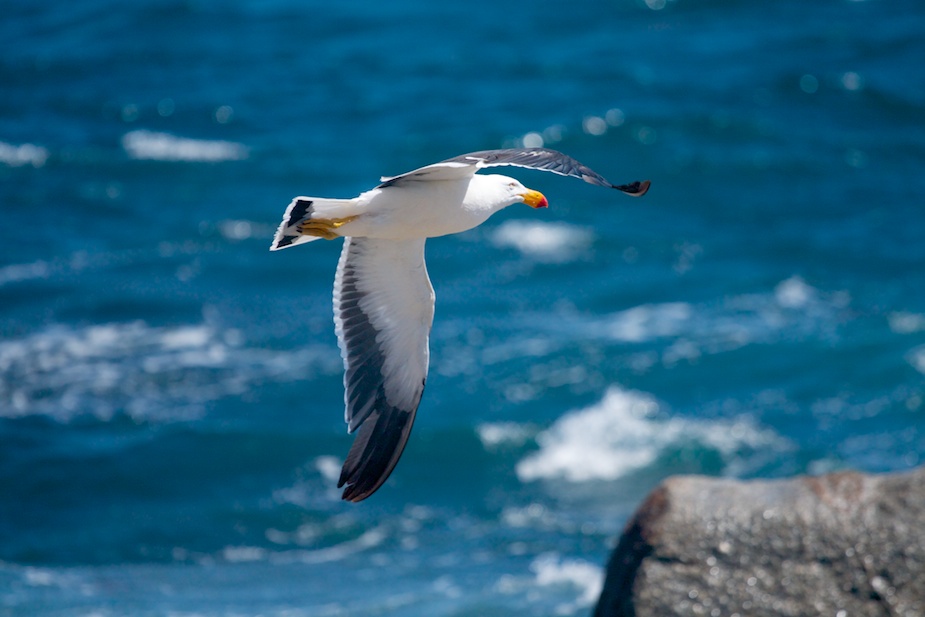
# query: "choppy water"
{"points": [[170, 391]]}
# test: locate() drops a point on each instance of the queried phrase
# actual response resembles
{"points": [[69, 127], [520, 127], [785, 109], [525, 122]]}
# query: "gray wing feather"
{"points": [[545, 159], [383, 309], [447, 170], [542, 159]]}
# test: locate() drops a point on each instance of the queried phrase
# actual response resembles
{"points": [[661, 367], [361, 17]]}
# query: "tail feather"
{"points": [[288, 233], [302, 209]]}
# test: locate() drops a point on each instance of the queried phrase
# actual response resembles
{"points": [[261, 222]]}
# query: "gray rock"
{"points": [[840, 545]]}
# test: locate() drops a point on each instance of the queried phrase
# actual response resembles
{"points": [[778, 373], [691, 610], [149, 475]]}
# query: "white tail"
{"points": [[301, 210]]}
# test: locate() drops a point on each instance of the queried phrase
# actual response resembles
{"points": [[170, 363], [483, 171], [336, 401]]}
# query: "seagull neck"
{"points": [[488, 194]]}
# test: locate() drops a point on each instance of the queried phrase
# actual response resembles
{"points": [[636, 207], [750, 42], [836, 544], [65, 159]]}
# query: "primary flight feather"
{"points": [[383, 299]]}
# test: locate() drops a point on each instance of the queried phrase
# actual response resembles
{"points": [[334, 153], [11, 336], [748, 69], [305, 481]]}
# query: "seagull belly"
{"points": [[414, 210]]}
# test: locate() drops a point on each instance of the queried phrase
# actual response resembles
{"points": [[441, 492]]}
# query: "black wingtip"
{"points": [[635, 189], [376, 449], [354, 495]]}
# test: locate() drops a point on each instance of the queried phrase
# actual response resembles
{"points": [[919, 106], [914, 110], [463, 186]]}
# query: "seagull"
{"points": [[383, 299]]}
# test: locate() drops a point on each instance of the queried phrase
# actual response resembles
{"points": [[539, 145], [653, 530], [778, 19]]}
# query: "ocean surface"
{"points": [[171, 402]]}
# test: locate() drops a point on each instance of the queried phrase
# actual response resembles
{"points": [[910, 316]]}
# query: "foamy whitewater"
{"points": [[171, 392], [626, 432], [545, 242], [156, 146], [148, 373]]}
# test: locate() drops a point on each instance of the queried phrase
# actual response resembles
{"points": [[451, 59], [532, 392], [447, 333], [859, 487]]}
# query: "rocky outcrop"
{"points": [[840, 545]]}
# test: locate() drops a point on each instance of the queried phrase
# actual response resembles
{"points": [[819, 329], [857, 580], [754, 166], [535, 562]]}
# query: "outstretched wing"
{"points": [[383, 311], [532, 158], [547, 160], [447, 170]]}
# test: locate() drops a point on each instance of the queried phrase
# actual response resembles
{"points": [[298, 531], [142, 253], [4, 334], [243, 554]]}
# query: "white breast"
{"points": [[426, 209]]}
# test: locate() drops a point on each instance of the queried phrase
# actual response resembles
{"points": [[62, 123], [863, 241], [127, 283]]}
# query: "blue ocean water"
{"points": [[171, 406]]}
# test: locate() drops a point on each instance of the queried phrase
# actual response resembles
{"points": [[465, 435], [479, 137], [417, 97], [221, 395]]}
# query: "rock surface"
{"points": [[840, 545]]}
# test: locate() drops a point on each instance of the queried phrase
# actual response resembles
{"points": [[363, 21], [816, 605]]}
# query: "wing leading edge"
{"points": [[542, 159]]}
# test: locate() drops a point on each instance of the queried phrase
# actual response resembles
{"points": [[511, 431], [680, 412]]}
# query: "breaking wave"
{"points": [[149, 373], [627, 431], [793, 309]]}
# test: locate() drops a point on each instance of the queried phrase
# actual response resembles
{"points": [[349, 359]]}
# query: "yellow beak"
{"points": [[535, 199]]}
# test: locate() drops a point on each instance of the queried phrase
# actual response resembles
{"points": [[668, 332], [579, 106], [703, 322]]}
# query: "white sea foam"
{"points": [[244, 554], [151, 373], [14, 578], [14, 273], [916, 358], [648, 322], [794, 293], [550, 569], [795, 308], [792, 309], [906, 323], [23, 154], [151, 145], [243, 230], [329, 467], [534, 515], [668, 333], [367, 540], [65, 265], [495, 435], [627, 431], [545, 242]]}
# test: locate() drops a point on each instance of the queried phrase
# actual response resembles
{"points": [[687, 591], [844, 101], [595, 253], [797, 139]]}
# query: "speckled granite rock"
{"points": [[840, 545]]}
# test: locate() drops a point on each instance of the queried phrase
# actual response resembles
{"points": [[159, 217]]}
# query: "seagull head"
{"points": [[518, 192], [493, 192]]}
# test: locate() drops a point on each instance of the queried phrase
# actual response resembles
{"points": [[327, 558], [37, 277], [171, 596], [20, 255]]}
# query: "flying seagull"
{"points": [[383, 299]]}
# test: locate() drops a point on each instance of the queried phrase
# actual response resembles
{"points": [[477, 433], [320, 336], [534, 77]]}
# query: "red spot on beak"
{"points": [[535, 199]]}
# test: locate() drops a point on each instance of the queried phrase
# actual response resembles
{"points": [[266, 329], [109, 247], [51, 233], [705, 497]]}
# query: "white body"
{"points": [[423, 209]]}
